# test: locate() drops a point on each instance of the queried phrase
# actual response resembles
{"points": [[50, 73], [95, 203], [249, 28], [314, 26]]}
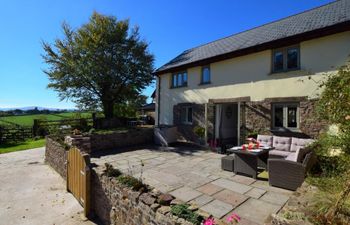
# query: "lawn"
{"points": [[28, 120], [29, 144]]}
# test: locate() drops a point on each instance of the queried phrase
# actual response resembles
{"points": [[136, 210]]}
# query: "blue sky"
{"points": [[169, 26]]}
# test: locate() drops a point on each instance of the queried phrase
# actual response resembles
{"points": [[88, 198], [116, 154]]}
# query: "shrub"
{"points": [[199, 131], [132, 182], [184, 212], [328, 164], [110, 171]]}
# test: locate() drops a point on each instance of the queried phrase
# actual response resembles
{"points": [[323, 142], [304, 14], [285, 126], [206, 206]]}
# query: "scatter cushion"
{"points": [[265, 140], [281, 143], [292, 157], [298, 143]]}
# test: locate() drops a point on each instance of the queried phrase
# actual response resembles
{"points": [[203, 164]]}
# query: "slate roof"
{"points": [[324, 16]]}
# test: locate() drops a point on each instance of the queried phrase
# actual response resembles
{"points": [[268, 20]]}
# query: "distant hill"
{"points": [[33, 107]]}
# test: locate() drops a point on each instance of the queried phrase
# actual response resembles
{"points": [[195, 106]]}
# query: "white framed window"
{"points": [[179, 79], [286, 115], [186, 115], [205, 76], [286, 59]]}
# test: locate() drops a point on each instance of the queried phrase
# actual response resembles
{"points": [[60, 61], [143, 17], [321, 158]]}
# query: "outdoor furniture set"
{"points": [[287, 159]]}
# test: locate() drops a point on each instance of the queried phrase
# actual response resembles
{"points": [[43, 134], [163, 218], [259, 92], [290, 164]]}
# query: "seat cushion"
{"points": [[293, 156], [282, 143], [298, 143], [265, 140], [279, 153]]}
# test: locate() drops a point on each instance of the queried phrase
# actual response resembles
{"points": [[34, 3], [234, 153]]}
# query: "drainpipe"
{"points": [[158, 99]]}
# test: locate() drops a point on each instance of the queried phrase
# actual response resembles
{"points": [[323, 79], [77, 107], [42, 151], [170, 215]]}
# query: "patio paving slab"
{"points": [[202, 200], [231, 185], [243, 179], [217, 208], [210, 189], [265, 185], [255, 193], [275, 198], [256, 210], [230, 197], [185, 194]]}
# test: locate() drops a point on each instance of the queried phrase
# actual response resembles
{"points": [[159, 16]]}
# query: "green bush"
{"points": [[111, 172], [327, 164], [199, 131], [184, 212], [132, 182]]}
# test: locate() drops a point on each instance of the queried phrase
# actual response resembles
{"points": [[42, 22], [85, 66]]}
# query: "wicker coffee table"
{"points": [[248, 162]]}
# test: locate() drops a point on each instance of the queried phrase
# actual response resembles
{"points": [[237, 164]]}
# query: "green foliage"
{"points": [[331, 161], [110, 171], [130, 108], [28, 120], [100, 64], [334, 106], [132, 182], [199, 131], [184, 212], [29, 144]]}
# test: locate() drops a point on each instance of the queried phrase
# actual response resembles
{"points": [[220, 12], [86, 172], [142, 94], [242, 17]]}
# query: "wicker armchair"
{"points": [[288, 174]]}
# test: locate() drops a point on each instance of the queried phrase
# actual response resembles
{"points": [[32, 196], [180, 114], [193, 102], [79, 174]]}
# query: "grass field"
{"points": [[29, 144], [28, 120]]}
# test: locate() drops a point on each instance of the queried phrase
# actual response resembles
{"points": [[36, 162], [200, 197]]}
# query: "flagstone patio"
{"points": [[195, 176]]}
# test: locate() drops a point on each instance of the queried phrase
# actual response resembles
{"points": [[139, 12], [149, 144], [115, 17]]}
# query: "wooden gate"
{"points": [[78, 177]]}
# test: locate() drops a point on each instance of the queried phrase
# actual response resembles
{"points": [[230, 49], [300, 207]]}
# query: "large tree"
{"points": [[100, 64]]}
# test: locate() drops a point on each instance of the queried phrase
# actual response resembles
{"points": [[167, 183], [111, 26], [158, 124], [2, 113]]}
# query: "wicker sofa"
{"points": [[290, 174], [284, 147], [289, 161]]}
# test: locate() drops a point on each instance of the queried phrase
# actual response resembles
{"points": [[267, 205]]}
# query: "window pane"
{"points": [[278, 116], [278, 61], [292, 117], [189, 116], [292, 58], [174, 80], [184, 78], [206, 75], [179, 79]]}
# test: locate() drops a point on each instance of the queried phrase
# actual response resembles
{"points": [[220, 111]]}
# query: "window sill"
{"points": [[183, 86], [204, 83], [285, 129], [289, 72], [188, 124]]}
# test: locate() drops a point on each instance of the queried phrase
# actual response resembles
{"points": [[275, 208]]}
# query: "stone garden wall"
{"points": [[116, 204], [137, 136], [56, 156]]}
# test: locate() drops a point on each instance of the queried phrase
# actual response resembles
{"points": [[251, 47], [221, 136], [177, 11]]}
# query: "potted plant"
{"points": [[200, 132]]}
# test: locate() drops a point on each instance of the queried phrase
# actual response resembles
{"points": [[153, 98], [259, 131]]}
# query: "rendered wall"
{"points": [[250, 75]]}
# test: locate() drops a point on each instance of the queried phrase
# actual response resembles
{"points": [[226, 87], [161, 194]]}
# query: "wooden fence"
{"points": [[15, 133]]}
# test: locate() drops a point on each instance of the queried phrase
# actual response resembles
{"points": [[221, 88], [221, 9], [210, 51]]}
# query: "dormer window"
{"points": [[179, 79], [285, 59]]}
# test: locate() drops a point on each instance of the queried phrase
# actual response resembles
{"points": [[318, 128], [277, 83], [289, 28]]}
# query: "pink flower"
{"points": [[234, 218], [209, 221]]}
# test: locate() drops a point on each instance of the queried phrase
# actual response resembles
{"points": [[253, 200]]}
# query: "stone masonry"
{"points": [[56, 156]]}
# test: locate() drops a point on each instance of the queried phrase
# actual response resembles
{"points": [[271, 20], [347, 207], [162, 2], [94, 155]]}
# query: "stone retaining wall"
{"points": [[137, 136], [56, 156], [115, 204]]}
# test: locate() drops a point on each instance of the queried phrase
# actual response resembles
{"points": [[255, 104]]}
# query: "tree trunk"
{"points": [[108, 109]]}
